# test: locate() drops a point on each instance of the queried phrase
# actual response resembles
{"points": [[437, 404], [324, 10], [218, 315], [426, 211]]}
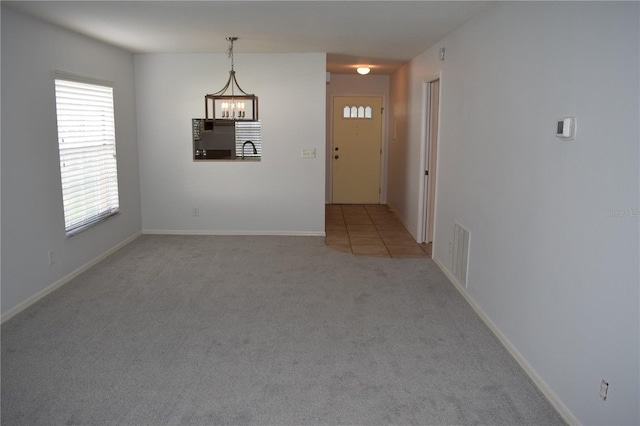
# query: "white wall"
{"points": [[32, 212], [403, 162], [357, 85], [549, 266], [282, 194]]}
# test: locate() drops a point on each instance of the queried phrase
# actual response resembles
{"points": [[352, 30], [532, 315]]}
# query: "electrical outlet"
{"points": [[604, 389], [450, 246], [51, 259], [196, 211]]}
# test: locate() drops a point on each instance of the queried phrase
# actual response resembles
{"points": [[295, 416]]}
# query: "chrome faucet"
{"points": [[255, 151]]}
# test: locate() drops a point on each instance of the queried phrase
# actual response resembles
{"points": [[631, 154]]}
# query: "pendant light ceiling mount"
{"points": [[231, 103]]}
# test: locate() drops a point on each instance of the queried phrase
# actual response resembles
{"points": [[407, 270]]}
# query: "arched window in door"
{"points": [[357, 112]]}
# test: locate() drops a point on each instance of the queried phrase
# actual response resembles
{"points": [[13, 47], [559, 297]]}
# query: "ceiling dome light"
{"points": [[363, 70]]}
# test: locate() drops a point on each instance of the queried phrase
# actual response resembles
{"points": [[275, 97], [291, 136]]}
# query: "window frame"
{"points": [[91, 194]]}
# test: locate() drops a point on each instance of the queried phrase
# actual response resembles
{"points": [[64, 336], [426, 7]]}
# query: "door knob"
{"points": [[336, 148], [336, 157]]}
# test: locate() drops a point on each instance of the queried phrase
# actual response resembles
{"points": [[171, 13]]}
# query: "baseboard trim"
{"points": [[235, 233], [551, 396], [62, 281]]}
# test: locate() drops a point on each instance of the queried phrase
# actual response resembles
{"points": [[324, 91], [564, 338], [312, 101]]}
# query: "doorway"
{"points": [[356, 151], [432, 111]]}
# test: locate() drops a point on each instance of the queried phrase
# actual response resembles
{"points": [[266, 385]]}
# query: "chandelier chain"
{"points": [[230, 50]]}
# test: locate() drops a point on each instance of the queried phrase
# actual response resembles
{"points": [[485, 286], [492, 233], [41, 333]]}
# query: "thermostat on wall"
{"points": [[566, 128]]}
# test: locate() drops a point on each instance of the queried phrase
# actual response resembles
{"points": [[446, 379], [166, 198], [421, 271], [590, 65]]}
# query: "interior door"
{"points": [[356, 151], [433, 107]]}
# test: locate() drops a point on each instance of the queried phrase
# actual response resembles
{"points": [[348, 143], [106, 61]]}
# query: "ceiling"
{"points": [[381, 34]]}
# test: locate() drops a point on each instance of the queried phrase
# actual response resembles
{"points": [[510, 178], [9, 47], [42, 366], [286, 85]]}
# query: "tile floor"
{"points": [[370, 230]]}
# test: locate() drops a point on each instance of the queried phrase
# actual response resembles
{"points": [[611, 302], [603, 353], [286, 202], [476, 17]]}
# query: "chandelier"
{"points": [[231, 103]]}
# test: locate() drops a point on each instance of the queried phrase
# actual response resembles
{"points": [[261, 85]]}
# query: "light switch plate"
{"points": [[308, 153]]}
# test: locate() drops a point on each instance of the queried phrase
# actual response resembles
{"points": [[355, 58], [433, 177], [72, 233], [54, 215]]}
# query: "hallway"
{"points": [[370, 230]]}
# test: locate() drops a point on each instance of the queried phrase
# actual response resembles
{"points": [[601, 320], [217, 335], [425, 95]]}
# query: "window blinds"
{"points": [[87, 147], [248, 131]]}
